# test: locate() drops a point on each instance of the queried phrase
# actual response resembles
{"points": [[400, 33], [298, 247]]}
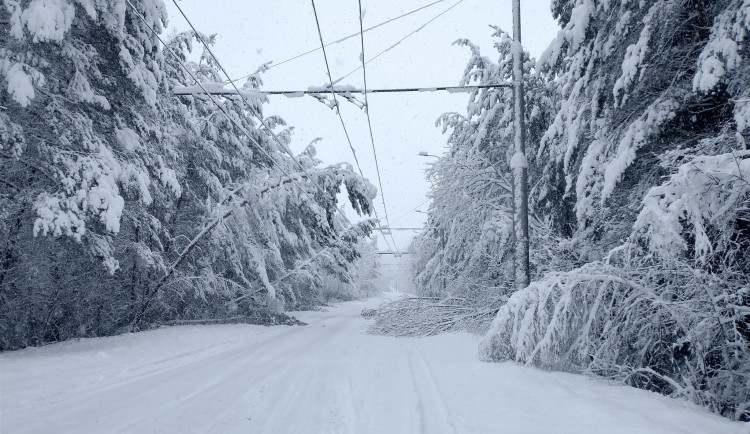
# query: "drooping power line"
{"points": [[406, 212], [244, 100]]}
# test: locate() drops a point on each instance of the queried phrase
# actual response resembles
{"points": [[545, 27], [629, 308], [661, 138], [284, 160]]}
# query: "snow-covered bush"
{"points": [[696, 214], [668, 329]]}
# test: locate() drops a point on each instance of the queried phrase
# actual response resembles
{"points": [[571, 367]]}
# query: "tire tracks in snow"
{"points": [[241, 375], [177, 380], [434, 413], [316, 378]]}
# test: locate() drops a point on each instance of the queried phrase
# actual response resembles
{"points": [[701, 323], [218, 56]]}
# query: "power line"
{"points": [[410, 208], [409, 229], [273, 65], [401, 217], [257, 115], [402, 39], [369, 122], [244, 100], [341, 118], [189, 90]]}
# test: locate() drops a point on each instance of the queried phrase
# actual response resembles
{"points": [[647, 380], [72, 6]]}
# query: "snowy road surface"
{"points": [[327, 377]]}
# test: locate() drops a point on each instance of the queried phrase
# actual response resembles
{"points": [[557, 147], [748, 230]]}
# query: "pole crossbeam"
{"points": [[406, 229], [218, 89]]}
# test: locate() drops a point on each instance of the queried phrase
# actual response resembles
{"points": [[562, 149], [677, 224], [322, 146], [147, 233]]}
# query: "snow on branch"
{"points": [[704, 193]]}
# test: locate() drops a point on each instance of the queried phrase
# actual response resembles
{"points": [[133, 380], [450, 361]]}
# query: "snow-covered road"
{"points": [[327, 377]]}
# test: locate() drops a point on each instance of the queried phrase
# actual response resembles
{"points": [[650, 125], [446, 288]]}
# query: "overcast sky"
{"points": [[253, 32]]}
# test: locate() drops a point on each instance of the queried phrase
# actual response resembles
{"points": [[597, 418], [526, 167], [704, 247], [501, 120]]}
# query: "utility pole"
{"points": [[519, 163]]}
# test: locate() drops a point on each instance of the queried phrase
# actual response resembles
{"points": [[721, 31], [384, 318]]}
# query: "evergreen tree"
{"points": [[123, 206], [471, 247]]}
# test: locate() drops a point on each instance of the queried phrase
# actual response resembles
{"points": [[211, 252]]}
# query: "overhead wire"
{"points": [[343, 124], [402, 216], [402, 39], [410, 208], [341, 216], [369, 121], [346, 38]]}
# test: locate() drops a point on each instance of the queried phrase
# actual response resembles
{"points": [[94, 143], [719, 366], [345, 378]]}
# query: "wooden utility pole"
{"points": [[518, 163]]}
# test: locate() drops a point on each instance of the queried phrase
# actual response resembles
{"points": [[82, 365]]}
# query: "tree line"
{"points": [[637, 127]]}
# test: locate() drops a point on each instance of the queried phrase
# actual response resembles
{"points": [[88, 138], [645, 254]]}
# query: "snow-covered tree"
{"points": [[471, 248], [122, 205], [463, 265]]}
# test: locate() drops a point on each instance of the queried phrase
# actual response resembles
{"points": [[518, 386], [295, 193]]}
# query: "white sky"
{"points": [[252, 32]]}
